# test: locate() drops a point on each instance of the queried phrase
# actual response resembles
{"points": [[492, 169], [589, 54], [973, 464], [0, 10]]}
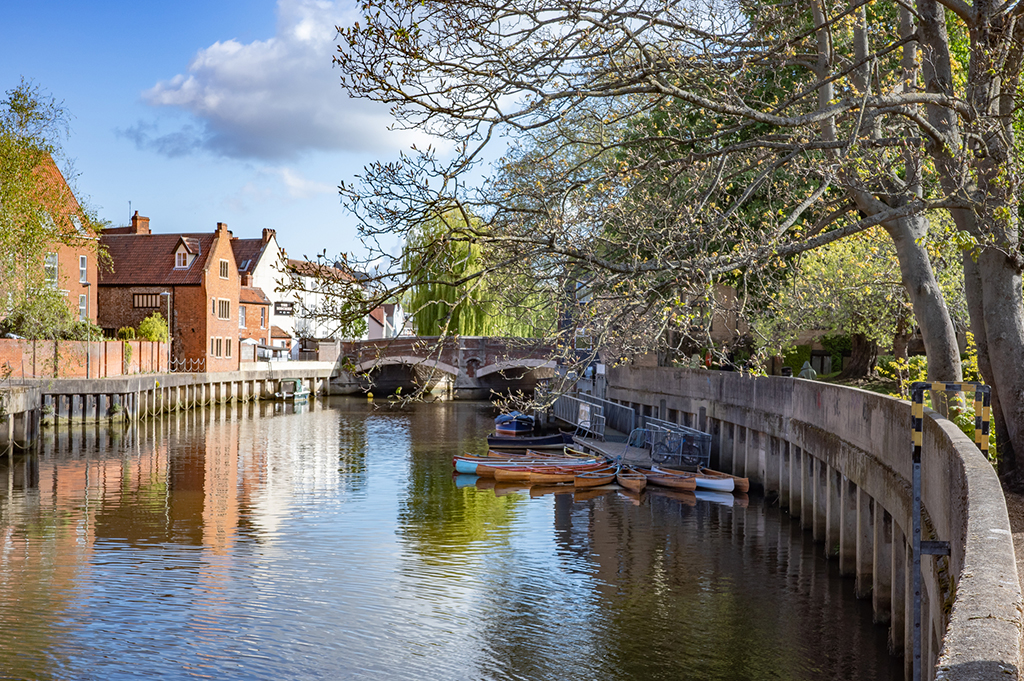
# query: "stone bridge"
{"points": [[471, 367]]}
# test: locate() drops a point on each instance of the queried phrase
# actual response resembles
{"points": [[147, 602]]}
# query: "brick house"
{"points": [[253, 313], [264, 261], [70, 263], [196, 271]]}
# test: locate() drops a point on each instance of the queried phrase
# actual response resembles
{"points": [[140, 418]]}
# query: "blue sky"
{"points": [[204, 112]]}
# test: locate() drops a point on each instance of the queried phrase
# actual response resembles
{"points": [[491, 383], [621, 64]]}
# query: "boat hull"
{"points": [[558, 441]]}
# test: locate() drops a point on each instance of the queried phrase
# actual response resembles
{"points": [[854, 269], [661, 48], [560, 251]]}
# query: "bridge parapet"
{"points": [[473, 364]]}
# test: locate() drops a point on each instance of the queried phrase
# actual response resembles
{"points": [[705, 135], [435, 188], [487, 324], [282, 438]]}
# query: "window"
{"points": [[263, 317], [51, 269], [241, 316], [180, 259], [83, 307], [213, 306], [212, 346], [219, 347], [146, 300], [83, 268], [223, 269], [223, 309], [227, 347]]}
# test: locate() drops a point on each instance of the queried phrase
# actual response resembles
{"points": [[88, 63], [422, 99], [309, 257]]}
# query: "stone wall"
{"points": [[840, 460]]}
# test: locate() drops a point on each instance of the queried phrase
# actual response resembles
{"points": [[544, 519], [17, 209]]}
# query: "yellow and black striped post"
{"points": [[982, 413]]}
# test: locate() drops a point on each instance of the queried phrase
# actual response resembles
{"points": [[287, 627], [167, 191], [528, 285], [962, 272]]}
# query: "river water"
{"points": [[331, 542]]}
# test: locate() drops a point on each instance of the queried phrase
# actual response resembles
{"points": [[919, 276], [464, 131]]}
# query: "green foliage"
{"points": [[37, 209], [836, 347], [453, 294], [154, 328], [796, 356], [125, 333], [903, 371], [42, 315], [127, 353]]}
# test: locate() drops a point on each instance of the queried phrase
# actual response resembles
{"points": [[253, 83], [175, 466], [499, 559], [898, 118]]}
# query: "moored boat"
{"points": [[631, 479], [683, 481], [740, 485], [557, 441], [596, 478], [481, 465], [514, 424], [707, 482]]}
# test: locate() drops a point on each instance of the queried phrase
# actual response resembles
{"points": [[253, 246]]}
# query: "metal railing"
{"points": [[587, 418], [189, 365], [616, 416], [673, 444]]}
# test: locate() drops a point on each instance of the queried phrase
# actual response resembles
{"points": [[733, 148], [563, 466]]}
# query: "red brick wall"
{"points": [[252, 323], [228, 289], [40, 359], [68, 274]]}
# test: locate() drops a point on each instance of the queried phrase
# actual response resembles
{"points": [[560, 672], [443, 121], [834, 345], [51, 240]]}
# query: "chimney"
{"points": [[247, 279], [222, 229], [267, 233], [140, 225]]}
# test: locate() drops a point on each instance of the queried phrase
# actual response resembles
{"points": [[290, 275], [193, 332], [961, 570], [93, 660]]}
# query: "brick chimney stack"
{"points": [[222, 229], [247, 279], [267, 233], [140, 225]]}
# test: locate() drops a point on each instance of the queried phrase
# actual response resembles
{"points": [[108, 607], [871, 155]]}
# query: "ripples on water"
{"points": [[258, 543]]}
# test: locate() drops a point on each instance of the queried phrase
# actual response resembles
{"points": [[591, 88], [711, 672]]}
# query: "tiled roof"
{"points": [[253, 295], [278, 332], [315, 269], [247, 252], [148, 259], [377, 314]]}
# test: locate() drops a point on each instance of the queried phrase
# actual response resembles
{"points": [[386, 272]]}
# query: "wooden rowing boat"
{"points": [[596, 478], [683, 481], [740, 485], [707, 482], [631, 479], [542, 474], [485, 466]]}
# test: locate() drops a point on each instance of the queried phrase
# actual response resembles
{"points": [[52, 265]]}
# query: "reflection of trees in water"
{"points": [[440, 524]]}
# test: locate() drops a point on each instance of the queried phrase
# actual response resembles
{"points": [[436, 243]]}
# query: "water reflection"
{"points": [[331, 541]]}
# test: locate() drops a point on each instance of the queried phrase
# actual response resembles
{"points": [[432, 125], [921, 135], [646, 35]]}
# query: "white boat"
{"points": [[291, 390], [714, 484]]}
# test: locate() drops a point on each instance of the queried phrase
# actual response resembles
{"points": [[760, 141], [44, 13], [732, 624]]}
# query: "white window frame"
{"points": [[241, 316], [227, 347], [83, 306], [263, 317], [180, 260], [225, 272], [224, 304], [83, 269], [51, 267]]}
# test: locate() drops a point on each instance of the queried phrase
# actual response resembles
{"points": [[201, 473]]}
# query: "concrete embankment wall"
{"points": [[840, 460]]}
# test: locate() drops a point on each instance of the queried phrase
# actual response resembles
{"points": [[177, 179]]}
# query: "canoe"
{"points": [[480, 466], [631, 479], [541, 474], [490, 469], [740, 485], [556, 441], [683, 481], [596, 478], [713, 484]]}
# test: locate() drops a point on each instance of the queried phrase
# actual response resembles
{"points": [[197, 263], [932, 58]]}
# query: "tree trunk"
{"points": [[862, 359]]}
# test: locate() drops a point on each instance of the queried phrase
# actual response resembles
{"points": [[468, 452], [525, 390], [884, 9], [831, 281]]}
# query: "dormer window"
{"points": [[180, 260]]}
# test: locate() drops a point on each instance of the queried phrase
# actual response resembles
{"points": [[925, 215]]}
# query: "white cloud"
{"points": [[277, 185], [270, 99]]}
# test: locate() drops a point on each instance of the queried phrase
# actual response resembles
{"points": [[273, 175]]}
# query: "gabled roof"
{"points": [[247, 253], [253, 295], [278, 332], [148, 259]]}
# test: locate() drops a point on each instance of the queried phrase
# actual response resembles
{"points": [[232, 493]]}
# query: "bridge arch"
{"points": [[528, 364], [406, 360]]}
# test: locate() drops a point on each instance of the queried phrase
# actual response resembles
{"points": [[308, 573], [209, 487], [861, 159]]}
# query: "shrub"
{"points": [[153, 328], [125, 333]]}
